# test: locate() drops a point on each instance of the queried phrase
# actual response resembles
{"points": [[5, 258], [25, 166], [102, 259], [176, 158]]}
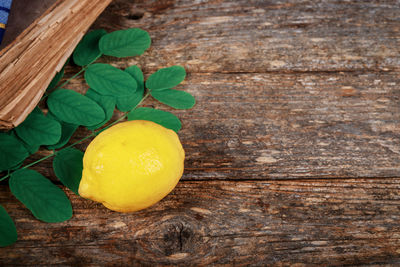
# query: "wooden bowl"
{"points": [[28, 64]]}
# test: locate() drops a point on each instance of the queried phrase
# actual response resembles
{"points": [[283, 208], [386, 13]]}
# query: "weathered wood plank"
{"points": [[286, 126], [309, 90], [270, 126], [260, 36], [202, 223]]}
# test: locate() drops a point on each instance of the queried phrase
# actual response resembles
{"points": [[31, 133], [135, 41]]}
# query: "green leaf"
{"points": [[32, 149], [12, 152], [37, 110], [37, 129], [174, 98], [106, 102], [16, 167], [127, 103], [67, 130], [72, 107], [108, 80], [137, 74], [125, 43], [166, 78], [46, 201], [57, 78], [88, 48], [164, 118], [8, 232], [68, 166]]}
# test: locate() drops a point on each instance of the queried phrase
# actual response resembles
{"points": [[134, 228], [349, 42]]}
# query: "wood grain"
{"points": [[263, 36], [292, 149], [234, 223]]}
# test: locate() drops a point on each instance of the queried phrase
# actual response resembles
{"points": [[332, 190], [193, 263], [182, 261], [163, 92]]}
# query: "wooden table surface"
{"points": [[293, 154]]}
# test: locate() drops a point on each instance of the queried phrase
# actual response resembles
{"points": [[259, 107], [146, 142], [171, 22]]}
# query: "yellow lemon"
{"points": [[132, 165]]}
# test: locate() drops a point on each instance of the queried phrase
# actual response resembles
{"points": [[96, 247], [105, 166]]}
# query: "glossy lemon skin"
{"points": [[132, 165]]}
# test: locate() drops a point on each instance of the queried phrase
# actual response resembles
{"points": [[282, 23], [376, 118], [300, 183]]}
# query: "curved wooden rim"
{"points": [[28, 64]]}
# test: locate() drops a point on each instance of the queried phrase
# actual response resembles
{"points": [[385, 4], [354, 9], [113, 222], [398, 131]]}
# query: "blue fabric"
{"points": [[6, 3], [5, 6], [1, 34], [3, 16], [5, 9]]}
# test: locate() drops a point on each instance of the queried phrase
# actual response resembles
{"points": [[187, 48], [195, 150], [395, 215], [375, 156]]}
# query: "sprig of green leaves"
{"points": [[110, 88]]}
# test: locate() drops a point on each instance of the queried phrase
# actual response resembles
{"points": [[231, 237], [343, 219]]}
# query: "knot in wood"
{"points": [[175, 238]]}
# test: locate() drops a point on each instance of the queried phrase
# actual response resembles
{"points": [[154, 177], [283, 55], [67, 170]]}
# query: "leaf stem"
{"points": [[39, 160], [67, 81], [79, 72], [73, 77], [5, 177], [94, 133], [126, 113]]}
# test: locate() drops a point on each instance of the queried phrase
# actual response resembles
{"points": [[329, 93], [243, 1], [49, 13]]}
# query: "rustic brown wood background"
{"points": [[293, 154]]}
